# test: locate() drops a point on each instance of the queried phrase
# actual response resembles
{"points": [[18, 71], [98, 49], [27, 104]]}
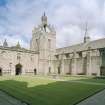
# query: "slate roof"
{"points": [[95, 44], [14, 48]]}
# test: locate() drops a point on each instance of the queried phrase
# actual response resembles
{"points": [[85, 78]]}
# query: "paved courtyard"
{"points": [[98, 99], [5, 99]]}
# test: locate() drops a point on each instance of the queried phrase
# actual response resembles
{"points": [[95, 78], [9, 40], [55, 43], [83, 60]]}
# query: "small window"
{"points": [[89, 48], [37, 41], [18, 56], [49, 43], [37, 44], [3, 52], [31, 57]]}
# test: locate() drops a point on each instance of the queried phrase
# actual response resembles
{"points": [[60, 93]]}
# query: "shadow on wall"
{"points": [[56, 93]]}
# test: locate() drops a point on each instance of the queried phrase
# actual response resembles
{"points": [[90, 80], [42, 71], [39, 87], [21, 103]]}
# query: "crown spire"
{"points": [[86, 36], [44, 18], [44, 21]]}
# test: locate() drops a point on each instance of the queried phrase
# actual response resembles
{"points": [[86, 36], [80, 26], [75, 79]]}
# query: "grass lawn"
{"points": [[93, 80], [45, 91], [75, 77]]}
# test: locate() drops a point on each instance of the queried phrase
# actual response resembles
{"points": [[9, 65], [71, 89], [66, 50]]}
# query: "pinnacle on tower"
{"points": [[18, 45], [5, 44]]}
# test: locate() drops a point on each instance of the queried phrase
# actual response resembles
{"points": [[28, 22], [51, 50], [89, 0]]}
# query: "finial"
{"points": [[5, 44]]}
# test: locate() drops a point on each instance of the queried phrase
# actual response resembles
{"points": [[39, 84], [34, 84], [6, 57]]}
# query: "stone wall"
{"points": [[80, 63], [9, 59]]}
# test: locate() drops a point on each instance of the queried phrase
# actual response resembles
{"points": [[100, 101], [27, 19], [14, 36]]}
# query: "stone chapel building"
{"points": [[87, 58]]}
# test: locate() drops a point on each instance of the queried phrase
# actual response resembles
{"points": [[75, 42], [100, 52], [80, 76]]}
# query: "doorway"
{"points": [[0, 71], [18, 69], [102, 71], [35, 71]]}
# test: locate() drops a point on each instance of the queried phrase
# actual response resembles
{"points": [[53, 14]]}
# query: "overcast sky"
{"points": [[18, 17]]}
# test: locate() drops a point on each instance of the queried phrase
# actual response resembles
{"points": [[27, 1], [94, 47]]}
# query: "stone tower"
{"points": [[44, 42]]}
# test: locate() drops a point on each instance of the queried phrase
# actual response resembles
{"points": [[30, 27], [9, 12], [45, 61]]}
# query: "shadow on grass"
{"points": [[55, 93]]}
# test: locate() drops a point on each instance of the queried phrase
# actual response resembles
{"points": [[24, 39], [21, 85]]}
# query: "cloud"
{"points": [[18, 17], [77, 15]]}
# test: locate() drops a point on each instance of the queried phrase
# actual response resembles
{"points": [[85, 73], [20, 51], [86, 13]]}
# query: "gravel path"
{"points": [[97, 99], [5, 99]]}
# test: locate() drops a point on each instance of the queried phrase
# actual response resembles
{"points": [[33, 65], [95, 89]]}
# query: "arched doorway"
{"points": [[102, 71], [18, 69], [0, 71], [35, 71]]}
